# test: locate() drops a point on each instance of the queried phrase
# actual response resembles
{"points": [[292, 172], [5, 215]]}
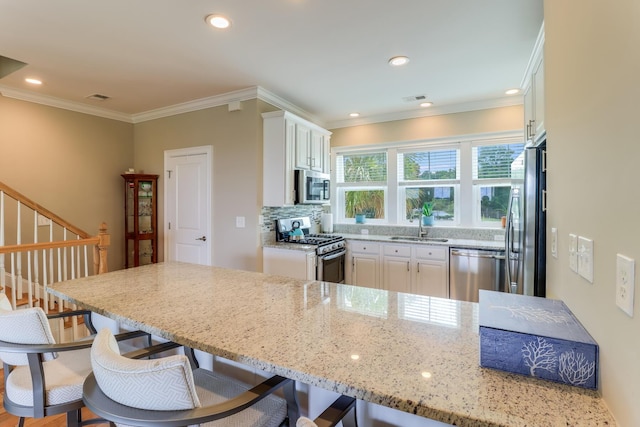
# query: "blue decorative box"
{"points": [[536, 337]]}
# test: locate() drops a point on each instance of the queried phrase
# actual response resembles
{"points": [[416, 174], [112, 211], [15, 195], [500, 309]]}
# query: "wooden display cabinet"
{"points": [[141, 223]]}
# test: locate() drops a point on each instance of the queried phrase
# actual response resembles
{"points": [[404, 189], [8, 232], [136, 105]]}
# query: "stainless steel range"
{"points": [[330, 248]]}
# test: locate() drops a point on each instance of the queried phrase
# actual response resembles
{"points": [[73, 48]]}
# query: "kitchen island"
{"points": [[413, 353]]}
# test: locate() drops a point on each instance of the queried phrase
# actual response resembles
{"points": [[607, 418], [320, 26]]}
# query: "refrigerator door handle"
{"points": [[509, 255]]}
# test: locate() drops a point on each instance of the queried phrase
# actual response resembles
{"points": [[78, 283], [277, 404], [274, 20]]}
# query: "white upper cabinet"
{"points": [[303, 149], [288, 145], [311, 148], [533, 85]]}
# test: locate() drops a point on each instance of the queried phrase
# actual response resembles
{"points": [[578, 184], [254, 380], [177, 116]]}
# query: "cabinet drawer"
{"points": [[364, 247], [398, 250], [431, 252]]}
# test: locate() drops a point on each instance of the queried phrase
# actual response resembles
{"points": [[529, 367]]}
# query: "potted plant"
{"points": [[427, 213]]}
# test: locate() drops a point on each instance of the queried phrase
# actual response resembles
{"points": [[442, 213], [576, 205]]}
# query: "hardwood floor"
{"points": [[8, 420]]}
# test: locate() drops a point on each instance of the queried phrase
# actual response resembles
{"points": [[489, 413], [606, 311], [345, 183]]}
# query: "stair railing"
{"points": [[28, 266]]}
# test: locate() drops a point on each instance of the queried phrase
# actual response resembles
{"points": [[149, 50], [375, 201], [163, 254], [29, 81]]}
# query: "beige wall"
{"points": [[591, 76], [472, 122], [236, 138], [70, 163]]}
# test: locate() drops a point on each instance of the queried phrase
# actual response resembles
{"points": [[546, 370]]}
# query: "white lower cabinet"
{"points": [[416, 269], [290, 263], [431, 271], [396, 268], [363, 264]]}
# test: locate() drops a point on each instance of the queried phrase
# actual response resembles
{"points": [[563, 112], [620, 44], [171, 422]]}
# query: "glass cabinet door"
{"points": [[145, 207], [130, 207]]}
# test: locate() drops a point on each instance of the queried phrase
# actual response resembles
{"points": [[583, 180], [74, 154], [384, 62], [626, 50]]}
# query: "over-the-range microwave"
{"points": [[311, 187]]}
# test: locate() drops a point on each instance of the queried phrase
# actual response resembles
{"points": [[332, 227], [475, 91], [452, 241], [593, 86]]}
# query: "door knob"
{"points": [[203, 238]]}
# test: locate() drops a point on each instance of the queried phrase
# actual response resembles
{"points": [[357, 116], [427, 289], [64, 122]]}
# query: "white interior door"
{"points": [[188, 205]]}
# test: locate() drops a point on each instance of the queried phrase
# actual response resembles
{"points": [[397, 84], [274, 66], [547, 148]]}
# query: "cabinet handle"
{"points": [[532, 128], [407, 265], [418, 267], [203, 238]]}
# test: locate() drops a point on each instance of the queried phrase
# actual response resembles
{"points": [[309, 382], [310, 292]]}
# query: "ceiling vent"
{"points": [[98, 97], [8, 66], [414, 98]]}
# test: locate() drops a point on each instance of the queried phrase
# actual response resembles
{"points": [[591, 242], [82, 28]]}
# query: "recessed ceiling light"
{"points": [[426, 104], [397, 61], [354, 114], [512, 91], [33, 81], [218, 21]]}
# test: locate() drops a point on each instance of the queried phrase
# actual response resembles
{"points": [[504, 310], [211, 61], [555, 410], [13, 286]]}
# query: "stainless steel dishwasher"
{"points": [[473, 269]]}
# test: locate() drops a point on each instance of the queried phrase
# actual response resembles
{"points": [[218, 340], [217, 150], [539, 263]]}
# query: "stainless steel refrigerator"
{"points": [[525, 237]]}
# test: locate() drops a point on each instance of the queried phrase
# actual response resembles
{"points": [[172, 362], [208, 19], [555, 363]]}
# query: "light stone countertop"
{"points": [[453, 243], [416, 354]]}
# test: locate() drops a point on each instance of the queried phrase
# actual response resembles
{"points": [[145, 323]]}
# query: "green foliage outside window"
{"points": [[365, 168]]}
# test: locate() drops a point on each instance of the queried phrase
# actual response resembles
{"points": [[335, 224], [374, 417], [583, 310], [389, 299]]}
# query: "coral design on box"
{"points": [[538, 315], [539, 354], [575, 368]]}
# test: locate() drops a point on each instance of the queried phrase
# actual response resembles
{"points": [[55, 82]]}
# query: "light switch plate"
{"points": [[625, 283], [554, 242], [573, 252], [585, 258]]}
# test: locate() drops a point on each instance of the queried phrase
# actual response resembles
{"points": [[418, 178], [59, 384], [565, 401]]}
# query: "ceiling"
{"points": [[327, 57]]}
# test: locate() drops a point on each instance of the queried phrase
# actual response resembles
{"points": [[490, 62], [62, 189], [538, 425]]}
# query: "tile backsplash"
{"points": [[315, 212], [270, 214]]}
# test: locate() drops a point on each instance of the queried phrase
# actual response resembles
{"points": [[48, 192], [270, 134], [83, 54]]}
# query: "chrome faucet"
{"points": [[422, 231]]}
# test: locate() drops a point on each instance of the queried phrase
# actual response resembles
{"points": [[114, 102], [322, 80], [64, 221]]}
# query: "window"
{"points": [[429, 175], [362, 185], [467, 180], [492, 174]]}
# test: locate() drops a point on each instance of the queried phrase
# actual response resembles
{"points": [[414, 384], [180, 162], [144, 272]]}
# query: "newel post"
{"points": [[100, 250]]}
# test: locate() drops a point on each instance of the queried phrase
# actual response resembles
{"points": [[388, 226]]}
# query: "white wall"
{"points": [[592, 77]]}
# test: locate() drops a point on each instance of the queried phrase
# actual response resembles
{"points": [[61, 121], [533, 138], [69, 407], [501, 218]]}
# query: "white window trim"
{"points": [[468, 216]]}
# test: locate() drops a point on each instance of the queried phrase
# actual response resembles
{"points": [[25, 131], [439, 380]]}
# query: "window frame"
{"points": [[402, 184], [478, 183], [466, 188], [338, 189]]}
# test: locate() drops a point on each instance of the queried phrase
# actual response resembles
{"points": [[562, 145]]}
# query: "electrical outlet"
{"points": [[585, 258], [239, 222], [625, 283], [573, 252], [554, 242]]}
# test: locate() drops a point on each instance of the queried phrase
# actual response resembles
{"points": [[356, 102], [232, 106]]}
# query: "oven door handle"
{"points": [[333, 256]]}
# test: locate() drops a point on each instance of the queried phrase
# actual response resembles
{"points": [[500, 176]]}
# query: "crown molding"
{"points": [[283, 104], [428, 112], [253, 93], [198, 104], [51, 101]]}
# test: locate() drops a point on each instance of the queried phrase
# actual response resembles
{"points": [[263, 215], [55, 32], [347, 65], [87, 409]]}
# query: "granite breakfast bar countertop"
{"points": [[413, 353]]}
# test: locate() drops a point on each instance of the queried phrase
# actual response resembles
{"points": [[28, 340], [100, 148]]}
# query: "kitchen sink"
{"points": [[420, 239]]}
